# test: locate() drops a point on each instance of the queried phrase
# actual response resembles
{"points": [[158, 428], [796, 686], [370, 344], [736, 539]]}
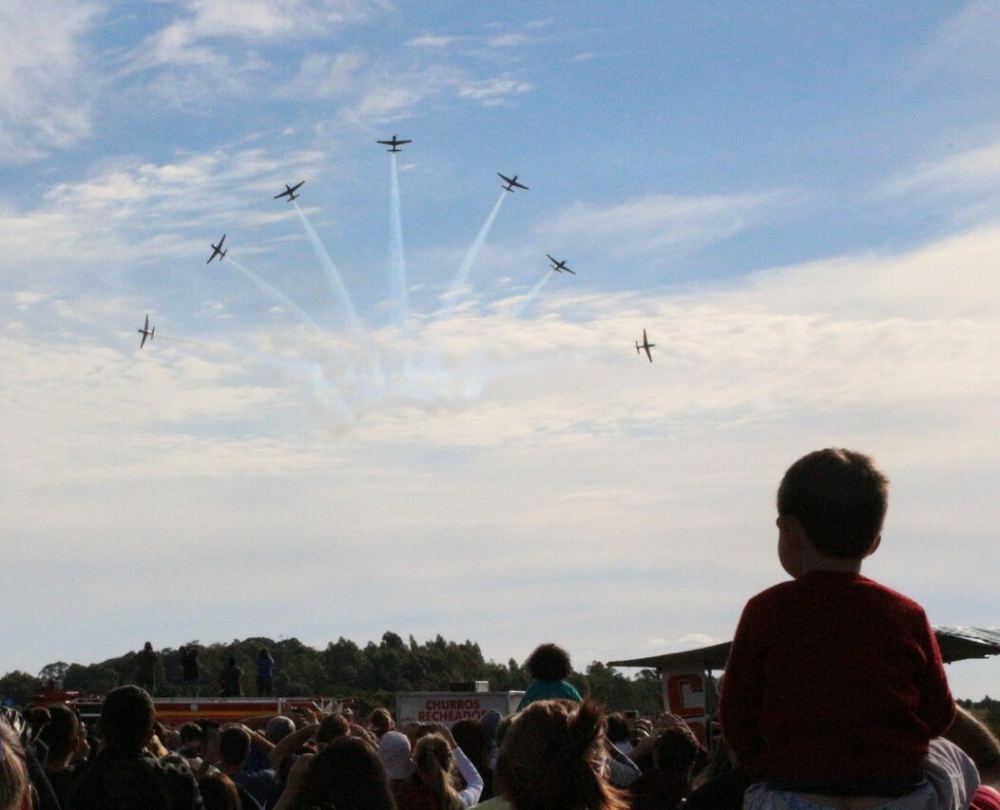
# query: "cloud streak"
{"points": [[44, 88], [661, 222]]}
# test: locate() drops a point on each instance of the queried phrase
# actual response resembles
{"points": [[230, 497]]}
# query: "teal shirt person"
{"points": [[549, 690]]}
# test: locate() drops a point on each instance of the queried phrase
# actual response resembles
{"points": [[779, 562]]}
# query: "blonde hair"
{"points": [[14, 783], [553, 758], [432, 756]]}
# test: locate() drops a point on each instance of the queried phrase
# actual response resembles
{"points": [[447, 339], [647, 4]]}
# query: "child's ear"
{"points": [[874, 546], [790, 530]]}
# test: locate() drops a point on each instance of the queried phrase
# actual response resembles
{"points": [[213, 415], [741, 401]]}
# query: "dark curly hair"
{"points": [[548, 662]]}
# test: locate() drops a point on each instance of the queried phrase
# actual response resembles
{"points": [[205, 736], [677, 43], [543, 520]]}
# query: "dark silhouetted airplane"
{"points": [[645, 345], [218, 251], [560, 266], [511, 182], [146, 332], [395, 144], [290, 192]]}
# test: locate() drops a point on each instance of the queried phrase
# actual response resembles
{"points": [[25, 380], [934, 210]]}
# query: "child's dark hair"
{"points": [[839, 497], [548, 662]]}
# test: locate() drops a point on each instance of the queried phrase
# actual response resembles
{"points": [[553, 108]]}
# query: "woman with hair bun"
{"points": [[432, 786], [553, 758], [15, 786]]}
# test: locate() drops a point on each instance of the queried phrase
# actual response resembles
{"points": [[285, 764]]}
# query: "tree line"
{"points": [[369, 675]]}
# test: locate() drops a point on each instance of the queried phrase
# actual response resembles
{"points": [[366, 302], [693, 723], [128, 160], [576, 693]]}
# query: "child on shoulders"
{"points": [[835, 686]]}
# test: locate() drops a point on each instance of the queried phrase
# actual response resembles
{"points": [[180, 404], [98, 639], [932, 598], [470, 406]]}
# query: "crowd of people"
{"points": [[552, 754], [795, 731]]}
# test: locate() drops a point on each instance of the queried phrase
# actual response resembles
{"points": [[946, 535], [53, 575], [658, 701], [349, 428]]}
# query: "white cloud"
{"points": [[544, 452], [129, 210], [266, 19], [942, 280], [968, 38], [659, 222], [492, 92], [434, 41], [193, 57], [970, 172], [382, 101], [44, 98], [512, 40], [328, 76]]}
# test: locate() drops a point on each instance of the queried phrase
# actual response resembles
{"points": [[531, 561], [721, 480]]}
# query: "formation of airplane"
{"points": [[394, 144], [146, 332], [511, 182], [218, 251], [290, 191], [645, 345], [560, 266]]}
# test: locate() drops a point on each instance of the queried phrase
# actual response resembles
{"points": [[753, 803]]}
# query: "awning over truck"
{"points": [[956, 643]]}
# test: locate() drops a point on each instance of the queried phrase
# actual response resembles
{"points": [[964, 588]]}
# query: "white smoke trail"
{"points": [[284, 299], [330, 268], [463, 272], [397, 261], [518, 310]]}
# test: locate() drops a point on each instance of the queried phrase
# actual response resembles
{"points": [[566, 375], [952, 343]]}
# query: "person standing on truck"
{"points": [[229, 680], [265, 667], [145, 663], [189, 668]]}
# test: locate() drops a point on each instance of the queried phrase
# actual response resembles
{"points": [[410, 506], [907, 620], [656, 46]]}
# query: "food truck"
{"points": [[467, 701]]}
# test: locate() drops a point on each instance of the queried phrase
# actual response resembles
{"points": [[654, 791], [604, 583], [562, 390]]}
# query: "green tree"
{"points": [[18, 686], [345, 665], [53, 672], [992, 718], [371, 675]]}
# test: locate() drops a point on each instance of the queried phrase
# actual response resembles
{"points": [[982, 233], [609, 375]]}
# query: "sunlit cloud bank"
{"points": [[909, 335], [540, 450]]}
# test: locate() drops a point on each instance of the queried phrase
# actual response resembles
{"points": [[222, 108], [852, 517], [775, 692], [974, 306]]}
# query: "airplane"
{"points": [[645, 345], [146, 332], [290, 192], [560, 266], [218, 251], [395, 144], [511, 182]]}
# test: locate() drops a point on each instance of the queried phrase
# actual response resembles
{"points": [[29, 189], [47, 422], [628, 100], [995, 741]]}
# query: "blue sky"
{"points": [[382, 412]]}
